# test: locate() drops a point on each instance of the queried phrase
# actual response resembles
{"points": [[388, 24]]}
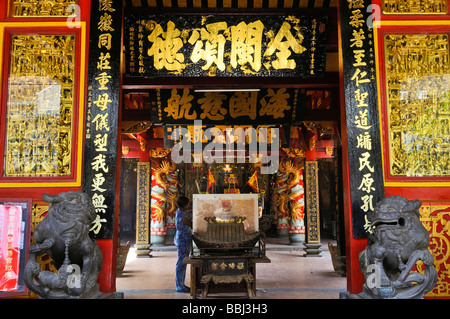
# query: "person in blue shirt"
{"points": [[183, 224]]}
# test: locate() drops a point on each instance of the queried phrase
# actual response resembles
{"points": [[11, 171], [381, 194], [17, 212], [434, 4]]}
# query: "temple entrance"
{"points": [[265, 126]]}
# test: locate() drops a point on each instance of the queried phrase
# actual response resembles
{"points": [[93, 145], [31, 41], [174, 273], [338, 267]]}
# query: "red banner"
{"points": [[10, 231]]}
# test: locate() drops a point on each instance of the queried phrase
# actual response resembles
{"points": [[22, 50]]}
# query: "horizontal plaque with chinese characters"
{"points": [[267, 106], [227, 266], [203, 46]]}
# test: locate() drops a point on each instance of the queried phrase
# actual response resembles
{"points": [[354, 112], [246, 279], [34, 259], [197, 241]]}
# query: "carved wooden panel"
{"points": [[435, 217]]}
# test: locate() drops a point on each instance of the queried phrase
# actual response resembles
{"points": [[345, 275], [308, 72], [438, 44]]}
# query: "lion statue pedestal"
{"points": [[64, 235]]}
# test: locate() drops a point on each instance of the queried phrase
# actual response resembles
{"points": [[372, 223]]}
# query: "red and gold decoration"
{"points": [[253, 182], [297, 202], [211, 184], [159, 184], [436, 219]]}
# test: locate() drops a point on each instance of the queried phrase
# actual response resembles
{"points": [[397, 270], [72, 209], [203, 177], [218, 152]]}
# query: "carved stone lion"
{"points": [[64, 235], [398, 242]]}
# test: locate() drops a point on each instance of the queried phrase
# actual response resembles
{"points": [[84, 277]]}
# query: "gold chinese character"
{"points": [[358, 37], [100, 142], [102, 101], [364, 141], [211, 105], [282, 48], [165, 48], [366, 183], [105, 5], [209, 45], [103, 63], [362, 121], [361, 98], [100, 163], [240, 265], [105, 23], [214, 266], [101, 122], [355, 19], [367, 225], [243, 104], [103, 79], [179, 107], [276, 105], [97, 224], [358, 77], [97, 181], [364, 162], [368, 203], [99, 203], [354, 4], [359, 55], [223, 266], [246, 44], [104, 40]]}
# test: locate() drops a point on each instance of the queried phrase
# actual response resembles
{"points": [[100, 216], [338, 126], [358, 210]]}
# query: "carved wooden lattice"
{"points": [[436, 219]]}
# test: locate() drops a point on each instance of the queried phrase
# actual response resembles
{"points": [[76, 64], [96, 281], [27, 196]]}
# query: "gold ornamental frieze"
{"points": [[43, 8], [415, 6]]}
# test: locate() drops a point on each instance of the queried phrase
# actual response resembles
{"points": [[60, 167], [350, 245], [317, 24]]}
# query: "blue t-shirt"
{"points": [[183, 233]]}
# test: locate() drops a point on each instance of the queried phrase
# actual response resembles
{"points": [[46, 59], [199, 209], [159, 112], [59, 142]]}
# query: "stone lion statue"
{"points": [[64, 235], [398, 242]]}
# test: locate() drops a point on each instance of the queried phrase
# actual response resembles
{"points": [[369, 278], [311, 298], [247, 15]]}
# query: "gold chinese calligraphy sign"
{"points": [[266, 106], [40, 106], [418, 104], [195, 45]]}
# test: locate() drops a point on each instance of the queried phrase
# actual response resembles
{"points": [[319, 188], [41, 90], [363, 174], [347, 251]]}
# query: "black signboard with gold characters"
{"points": [[265, 106], [217, 45], [361, 108], [102, 115]]}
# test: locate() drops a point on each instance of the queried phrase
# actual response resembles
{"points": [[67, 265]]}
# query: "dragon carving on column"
{"points": [[297, 202], [162, 189], [172, 195]]}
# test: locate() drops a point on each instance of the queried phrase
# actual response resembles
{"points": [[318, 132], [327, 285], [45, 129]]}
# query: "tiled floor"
{"points": [[288, 276]]}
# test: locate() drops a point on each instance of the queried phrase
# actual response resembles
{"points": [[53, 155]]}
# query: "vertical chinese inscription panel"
{"points": [[102, 113], [418, 103]]}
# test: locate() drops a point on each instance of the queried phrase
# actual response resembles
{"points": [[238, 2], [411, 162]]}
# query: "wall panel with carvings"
{"points": [[42, 104], [435, 216]]}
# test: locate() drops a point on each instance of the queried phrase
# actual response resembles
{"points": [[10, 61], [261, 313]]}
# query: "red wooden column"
{"points": [[361, 149]]}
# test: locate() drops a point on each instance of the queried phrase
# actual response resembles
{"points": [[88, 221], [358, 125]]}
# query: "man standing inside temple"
{"points": [[183, 224]]}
